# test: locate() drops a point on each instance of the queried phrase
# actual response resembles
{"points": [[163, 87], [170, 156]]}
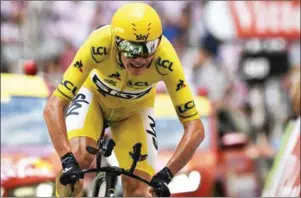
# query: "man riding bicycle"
{"points": [[113, 77]]}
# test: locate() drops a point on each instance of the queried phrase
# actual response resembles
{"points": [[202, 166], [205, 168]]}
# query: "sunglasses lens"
{"points": [[135, 49]]}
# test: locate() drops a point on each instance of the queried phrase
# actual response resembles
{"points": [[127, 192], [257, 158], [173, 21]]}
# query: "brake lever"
{"points": [[108, 147]]}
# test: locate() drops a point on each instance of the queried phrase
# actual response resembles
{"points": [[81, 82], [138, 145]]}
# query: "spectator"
{"points": [[11, 23], [207, 73], [40, 43], [67, 56], [175, 17], [52, 71], [75, 20]]}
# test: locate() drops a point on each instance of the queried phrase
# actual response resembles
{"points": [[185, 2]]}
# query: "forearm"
{"points": [[193, 136], [55, 120]]}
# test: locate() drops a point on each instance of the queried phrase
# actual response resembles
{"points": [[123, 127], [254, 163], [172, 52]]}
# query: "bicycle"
{"points": [[108, 175]]}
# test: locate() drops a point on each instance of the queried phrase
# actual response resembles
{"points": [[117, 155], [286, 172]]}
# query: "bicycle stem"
{"points": [[134, 164]]}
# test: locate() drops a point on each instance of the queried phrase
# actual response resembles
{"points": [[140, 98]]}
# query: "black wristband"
{"points": [[66, 155], [68, 159], [166, 175]]}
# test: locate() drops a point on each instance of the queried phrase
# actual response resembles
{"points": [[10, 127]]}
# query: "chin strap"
{"points": [[119, 62]]}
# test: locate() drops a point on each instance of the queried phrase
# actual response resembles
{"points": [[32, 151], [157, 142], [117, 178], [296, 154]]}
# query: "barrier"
{"points": [[284, 178]]}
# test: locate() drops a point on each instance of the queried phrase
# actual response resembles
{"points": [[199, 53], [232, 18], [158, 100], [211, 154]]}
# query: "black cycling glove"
{"points": [[160, 181], [70, 169]]}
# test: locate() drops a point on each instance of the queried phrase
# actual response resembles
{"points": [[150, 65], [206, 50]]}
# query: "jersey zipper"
{"points": [[122, 87], [124, 82]]}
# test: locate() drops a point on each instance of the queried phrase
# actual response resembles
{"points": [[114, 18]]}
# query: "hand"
{"points": [[150, 192], [70, 169], [161, 190], [159, 183]]}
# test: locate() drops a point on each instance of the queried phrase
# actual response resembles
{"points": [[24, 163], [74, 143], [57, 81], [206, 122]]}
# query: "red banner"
{"points": [[266, 19]]}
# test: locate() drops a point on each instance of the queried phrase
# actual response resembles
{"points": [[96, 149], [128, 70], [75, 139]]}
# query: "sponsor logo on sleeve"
{"points": [[180, 85], [163, 66], [79, 65], [98, 51], [187, 109]]}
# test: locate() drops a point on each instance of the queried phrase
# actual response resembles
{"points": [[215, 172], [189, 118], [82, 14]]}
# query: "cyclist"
{"points": [[113, 77]]}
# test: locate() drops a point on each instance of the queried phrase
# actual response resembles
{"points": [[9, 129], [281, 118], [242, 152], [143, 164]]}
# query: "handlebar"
{"points": [[113, 170], [106, 151]]}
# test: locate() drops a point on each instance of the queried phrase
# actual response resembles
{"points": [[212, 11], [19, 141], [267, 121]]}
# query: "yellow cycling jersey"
{"points": [[97, 66]]}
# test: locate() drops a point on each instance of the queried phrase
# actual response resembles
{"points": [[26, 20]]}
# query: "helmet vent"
{"points": [[134, 27], [137, 22], [149, 26]]}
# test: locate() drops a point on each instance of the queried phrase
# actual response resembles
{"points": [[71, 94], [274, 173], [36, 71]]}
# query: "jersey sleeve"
{"points": [[170, 67], [92, 52]]}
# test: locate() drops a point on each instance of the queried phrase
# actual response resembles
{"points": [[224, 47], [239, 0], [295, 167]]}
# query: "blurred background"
{"points": [[242, 56]]}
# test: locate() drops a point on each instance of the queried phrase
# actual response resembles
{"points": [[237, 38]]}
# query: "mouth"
{"points": [[137, 66]]}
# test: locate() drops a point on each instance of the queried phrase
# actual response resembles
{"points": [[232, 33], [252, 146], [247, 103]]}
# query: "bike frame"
{"points": [[111, 171]]}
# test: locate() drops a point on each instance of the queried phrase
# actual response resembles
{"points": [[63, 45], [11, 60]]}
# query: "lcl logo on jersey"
{"points": [[187, 109], [137, 85], [163, 66], [68, 85], [98, 51]]}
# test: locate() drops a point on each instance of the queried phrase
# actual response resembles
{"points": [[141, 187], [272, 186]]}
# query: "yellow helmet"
{"points": [[136, 22]]}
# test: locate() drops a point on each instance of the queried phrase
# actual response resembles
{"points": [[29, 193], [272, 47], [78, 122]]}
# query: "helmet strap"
{"points": [[119, 61]]}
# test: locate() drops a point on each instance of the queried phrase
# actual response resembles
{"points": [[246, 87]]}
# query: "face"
{"points": [[136, 66]]}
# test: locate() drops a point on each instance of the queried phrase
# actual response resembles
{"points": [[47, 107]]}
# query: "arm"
{"points": [[183, 101], [55, 120], [193, 136], [84, 61], [169, 66]]}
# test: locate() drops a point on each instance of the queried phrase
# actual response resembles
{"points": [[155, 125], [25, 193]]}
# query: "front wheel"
{"points": [[104, 185], [99, 185]]}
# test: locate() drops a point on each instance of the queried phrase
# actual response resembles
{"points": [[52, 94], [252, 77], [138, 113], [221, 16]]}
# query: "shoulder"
{"points": [[165, 46], [100, 42], [102, 31], [166, 57]]}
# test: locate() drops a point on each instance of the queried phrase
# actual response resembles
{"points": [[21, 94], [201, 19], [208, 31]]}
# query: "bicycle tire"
{"points": [[98, 181], [102, 180]]}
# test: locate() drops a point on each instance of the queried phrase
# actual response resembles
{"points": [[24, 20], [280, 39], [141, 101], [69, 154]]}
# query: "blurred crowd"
{"points": [[50, 32]]}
